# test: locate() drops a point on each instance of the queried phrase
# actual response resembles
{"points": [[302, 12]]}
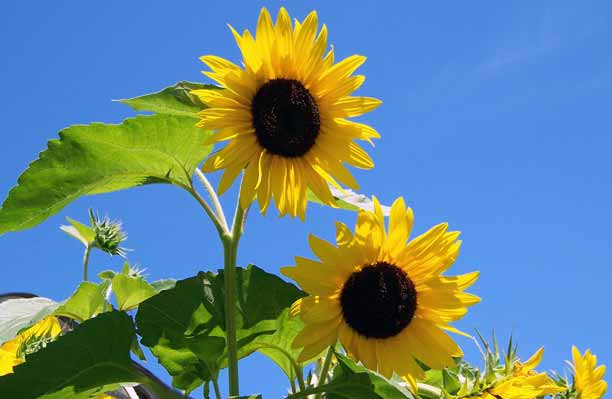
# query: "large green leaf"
{"points": [[99, 158], [173, 100], [352, 381], [87, 301], [185, 326], [93, 358]]}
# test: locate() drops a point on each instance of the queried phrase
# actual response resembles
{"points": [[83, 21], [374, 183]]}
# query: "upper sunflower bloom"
{"points": [[12, 353], [285, 115], [588, 377], [386, 301], [524, 382]]}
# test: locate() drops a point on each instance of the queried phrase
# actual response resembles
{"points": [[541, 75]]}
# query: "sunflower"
{"points": [[524, 382], [588, 379], [285, 115], [387, 302], [12, 353]]}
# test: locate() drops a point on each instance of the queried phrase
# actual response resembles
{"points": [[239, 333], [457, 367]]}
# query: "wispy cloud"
{"points": [[553, 30]]}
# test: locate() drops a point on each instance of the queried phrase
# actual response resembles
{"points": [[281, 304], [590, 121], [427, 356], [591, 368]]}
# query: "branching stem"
{"points": [[214, 198]]}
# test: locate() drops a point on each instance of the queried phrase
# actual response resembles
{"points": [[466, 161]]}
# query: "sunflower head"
{"points": [[588, 377], [13, 352], [386, 300], [284, 113]]}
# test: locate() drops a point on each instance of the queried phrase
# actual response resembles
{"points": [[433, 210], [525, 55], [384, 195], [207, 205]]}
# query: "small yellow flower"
{"points": [[285, 114], [12, 353], [524, 382], [588, 377], [386, 300]]}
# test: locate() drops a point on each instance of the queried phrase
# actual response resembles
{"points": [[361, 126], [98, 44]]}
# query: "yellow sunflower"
{"points": [[588, 377], [12, 353], [524, 382], [284, 114], [386, 301]]}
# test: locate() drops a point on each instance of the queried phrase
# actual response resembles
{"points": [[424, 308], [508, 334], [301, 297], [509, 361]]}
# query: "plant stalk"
{"points": [[217, 390], [230, 249], [213, 196], [325, 369], [230, 245], [86, 262]]}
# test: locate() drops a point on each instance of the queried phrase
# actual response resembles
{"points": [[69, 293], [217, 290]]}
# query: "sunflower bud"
{"points": [[108, 234]]}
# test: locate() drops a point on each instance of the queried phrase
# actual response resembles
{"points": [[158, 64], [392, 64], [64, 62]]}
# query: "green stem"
{"points": [[230, 245], [86, 263], [213, 196], [292, 382], [213, 217], [217, 390], [230, 313], [325, 369], [300, 377], [434, 391]]}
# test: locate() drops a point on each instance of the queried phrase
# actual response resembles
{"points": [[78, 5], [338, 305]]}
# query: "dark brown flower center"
{"points": [[378, 301], [285, 117]]}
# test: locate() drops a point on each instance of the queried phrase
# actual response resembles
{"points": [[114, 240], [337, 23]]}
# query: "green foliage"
{"points": [[81, 232], [173, 100], [87, 301], [99, 158], [94, 358], [278, 346], [351, 381], [185, 326], [131, 290]]}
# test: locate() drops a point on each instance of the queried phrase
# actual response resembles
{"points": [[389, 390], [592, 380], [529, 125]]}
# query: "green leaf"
{"points": [[278, 347], [450, 381], [81, 232], [130, 291], [92, 359], [173, 100], [185, 326], [86, 302], [19, 313], [163, 284], [100, 158], [352, 381]]}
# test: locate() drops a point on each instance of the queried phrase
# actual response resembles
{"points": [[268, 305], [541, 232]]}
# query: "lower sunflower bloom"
{"points": [[387, 302], [12, 353], [588, 377]]}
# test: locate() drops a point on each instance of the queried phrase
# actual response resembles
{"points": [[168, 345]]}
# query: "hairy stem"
{"points": [[213, 196], [86, 263]]}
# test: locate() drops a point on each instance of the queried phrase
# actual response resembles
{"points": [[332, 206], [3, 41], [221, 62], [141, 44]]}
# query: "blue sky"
{"points": [[496, 118]]}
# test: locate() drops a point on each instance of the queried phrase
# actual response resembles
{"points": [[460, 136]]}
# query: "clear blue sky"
{"points": [[496, 118]]}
